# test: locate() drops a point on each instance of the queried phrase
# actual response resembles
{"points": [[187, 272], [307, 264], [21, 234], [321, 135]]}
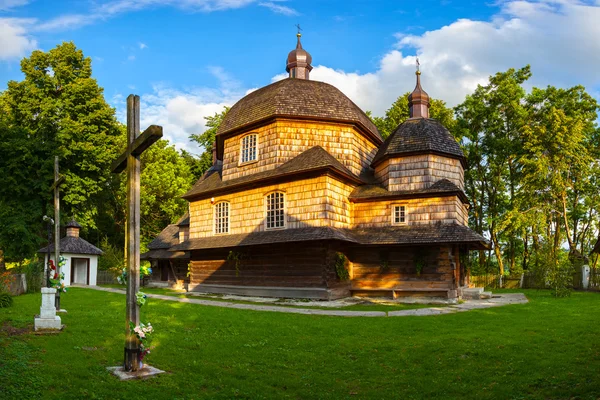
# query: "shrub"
{"points": [[6, 300], [552, 270], [112, 259], [34, 275]]}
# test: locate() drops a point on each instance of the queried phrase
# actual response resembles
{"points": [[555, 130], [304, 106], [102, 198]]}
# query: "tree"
{"points": [[60, 110], [207, 138], [489, 123], [399, 112]]}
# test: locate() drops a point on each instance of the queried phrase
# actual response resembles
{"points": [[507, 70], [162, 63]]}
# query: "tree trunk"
{"points": [[497, 251]]}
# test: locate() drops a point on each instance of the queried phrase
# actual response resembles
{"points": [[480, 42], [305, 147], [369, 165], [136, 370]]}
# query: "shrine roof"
{"points": [[391, 235], [313, 159], [296, 98], [73, 245], [376, 192], [419, 136]]}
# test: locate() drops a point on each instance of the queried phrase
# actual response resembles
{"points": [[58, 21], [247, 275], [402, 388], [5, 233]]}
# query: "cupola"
{"points": [[298, 62], [418, 100], [73, 228]]}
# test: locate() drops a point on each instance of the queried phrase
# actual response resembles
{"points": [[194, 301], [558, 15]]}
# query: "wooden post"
{"points": [[130, 159], [133, 234]]}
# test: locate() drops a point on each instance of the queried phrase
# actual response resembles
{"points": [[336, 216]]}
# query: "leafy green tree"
{"points": [[489, 123], [61, 110], [207, 138]]}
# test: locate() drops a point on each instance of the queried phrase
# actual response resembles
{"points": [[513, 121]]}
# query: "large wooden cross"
{"points": [[130, 159]]}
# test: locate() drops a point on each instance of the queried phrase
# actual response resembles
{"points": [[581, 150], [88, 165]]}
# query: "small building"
{"points": [[81, 257], [169, 268]]}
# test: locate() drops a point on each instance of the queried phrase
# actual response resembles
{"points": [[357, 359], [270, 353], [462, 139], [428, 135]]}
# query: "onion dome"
{"points": [[298, 62]]}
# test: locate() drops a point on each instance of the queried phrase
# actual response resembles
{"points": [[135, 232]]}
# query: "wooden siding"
{"points": [[301, 265], [421, 171], [283, 140], [320, 201], [369, 269], [446, 210], [382, 173], [184, 233]]}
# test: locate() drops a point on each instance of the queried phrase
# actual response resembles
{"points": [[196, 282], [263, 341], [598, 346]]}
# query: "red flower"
{"points": [[55, 275]]}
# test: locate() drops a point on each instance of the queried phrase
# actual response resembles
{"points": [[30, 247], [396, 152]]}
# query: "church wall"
{"points": [[320, 201], [284, 139], [382, 173], [303, 265], [421, 171], [432, 210], [394, 268]]}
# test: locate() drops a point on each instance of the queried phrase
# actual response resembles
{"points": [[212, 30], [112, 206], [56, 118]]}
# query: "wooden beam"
{"points": [[57, 183], [141, 143]]}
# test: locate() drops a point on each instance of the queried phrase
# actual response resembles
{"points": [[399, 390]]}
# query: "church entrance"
{"points": [[80, 271]]}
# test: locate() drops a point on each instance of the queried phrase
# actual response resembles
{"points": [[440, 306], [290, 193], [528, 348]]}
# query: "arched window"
{"points": [[221, 210], [248, 148], [275, 210]]}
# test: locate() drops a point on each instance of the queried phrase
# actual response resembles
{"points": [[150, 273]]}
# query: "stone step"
{"points": [[472, 293], [485, 295]]}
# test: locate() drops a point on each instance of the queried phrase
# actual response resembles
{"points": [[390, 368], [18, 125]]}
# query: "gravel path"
{"points": [[497, 301]]}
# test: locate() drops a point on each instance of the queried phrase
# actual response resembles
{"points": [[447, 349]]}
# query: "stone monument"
{"points": [[48, 320]]}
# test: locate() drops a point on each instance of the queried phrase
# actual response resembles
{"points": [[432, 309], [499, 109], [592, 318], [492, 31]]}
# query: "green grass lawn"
{"points": [[547, 349]]}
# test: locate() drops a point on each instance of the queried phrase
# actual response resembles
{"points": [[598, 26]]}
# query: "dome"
{"points": [[420, 136], [298, 56], [296, 98]]}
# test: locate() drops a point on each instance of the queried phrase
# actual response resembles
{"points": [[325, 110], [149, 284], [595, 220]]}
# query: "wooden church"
{"points": [[305, 199]]}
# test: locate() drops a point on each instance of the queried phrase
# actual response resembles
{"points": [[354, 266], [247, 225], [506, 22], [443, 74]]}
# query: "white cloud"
{"points": [[15, 41], [278, 8], [181, 112], [8, 5], [143, 46], [557, 37]]}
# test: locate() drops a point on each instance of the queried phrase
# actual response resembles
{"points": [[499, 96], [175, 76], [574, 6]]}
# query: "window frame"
{"points": [[394, 206], [228, 217], [241, 158], [283, 208]]}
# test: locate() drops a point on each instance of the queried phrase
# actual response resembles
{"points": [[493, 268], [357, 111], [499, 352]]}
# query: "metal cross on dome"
{"points": [[298, 26], [418, 65]]}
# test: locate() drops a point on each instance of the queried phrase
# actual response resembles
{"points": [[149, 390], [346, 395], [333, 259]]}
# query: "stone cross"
{"points": [[130, 159]]}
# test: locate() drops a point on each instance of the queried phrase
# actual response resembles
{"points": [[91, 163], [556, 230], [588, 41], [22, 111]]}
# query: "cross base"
{"points": [[146, 371], [131, 360]]}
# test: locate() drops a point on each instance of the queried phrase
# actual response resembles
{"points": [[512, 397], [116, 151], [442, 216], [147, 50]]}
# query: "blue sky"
{"points": [[188, 58]]}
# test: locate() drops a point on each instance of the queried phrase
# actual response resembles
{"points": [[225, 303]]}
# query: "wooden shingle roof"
{"points": [[419, 136], [313, 159], [296, 98], [165, 239], [391, 235], [376, 192]]}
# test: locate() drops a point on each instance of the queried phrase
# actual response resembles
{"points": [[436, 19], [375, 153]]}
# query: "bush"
{"points": [[6, 300], [34, 275], [113, 258], [552, 270]]}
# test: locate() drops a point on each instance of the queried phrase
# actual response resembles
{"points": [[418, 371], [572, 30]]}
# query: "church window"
{"points": [[275, 210], [248, 150], [399, 216], [221, 217]]}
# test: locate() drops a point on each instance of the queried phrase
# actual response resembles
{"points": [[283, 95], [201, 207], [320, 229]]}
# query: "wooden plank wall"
{"points": [[321, 201], [369, 272], [284, 139], [420, 211], [421, 171], [300, 265]]}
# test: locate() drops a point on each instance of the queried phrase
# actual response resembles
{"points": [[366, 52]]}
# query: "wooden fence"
{"points": [[105, 278], [530, 281]]}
